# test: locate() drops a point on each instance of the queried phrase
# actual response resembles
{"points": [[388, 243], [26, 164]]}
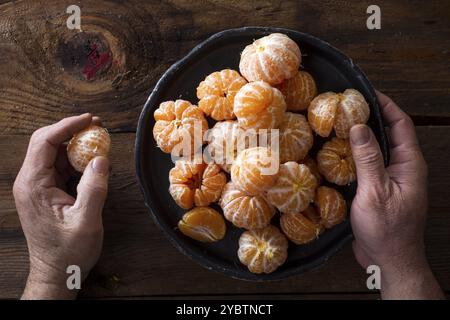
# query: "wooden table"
{"points": [[128, 45]]}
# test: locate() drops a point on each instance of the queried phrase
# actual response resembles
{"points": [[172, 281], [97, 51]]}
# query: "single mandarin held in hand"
{"points": [[272, 59], [203, 224], [302, 227], [298, 91], [263, 250], [331, 206], [294, 189], [87, 144], [335, 162], [175, 120], [259, 106], [199, 184], [340, 111], [217, 92], [255, 170], [244, 210]]}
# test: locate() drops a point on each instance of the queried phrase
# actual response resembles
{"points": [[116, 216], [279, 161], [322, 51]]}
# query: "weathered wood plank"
{"points": [[43, 75], [138, 254]]}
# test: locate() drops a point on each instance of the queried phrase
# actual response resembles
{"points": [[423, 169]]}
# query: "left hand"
{"points": [[60, 230]]}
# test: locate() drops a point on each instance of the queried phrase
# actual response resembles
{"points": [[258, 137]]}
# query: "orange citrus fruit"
{"points": [[298, 91], [244, 210], [340, 111], [225, 140], [331, 206], [87, 144], [263, 250], [296, 138], [199, 184], [335, 162], [272, 59], [294, 189], [255, 170], [217, 91], [175, 120], [259, 106], [203, 224], [312, 165], [301, 227]]}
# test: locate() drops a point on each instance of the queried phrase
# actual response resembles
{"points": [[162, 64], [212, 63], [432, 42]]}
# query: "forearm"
{"points": [[411, 280]]}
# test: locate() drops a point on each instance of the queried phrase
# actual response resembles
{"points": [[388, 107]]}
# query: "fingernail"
{"points": [[359, 134], [100, 165]]}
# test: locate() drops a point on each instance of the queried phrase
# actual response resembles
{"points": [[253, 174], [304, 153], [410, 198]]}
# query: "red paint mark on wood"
{"points": [[95, 62]]}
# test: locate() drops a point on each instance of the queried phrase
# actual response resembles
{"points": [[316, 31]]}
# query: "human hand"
{"points": [[388, 214], [60, 230]]}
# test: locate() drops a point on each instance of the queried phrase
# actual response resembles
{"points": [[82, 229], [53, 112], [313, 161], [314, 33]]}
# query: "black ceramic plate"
{"points": [[331, 69]]}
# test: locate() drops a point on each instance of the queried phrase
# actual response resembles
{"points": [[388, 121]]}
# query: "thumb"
{"points": [[93, 188], [367, 155]]}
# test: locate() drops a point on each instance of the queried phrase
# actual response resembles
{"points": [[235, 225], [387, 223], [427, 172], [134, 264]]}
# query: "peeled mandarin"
{"points": [[296, 137], [335, 162], [301, 227], [244, 210], [225, 140], [217, 92], [272, 59], [259, 106], [87, 144], [294, 189], [312, 165], [331, 206], [199, 184], [203, 224], [175, 120], [298, 91], [340, 111], [263, 250], [255, 170]]}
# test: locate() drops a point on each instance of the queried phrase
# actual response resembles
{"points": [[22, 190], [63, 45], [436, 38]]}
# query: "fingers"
{"points": [[44, 143], [370, 169], [92, 190], [402, 131], [96, 121]]}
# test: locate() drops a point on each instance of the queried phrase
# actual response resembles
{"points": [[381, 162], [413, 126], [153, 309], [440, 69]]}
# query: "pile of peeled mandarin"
{"points": [[271, 91]]}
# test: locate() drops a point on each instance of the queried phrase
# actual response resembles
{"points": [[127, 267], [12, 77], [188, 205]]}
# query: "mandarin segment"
{"points": [[87, 144], [340, 111], [302, 227], [296, 137], [272, 59], [294, 189], [263, 250], [217, 92], [203, 224], [353, 109], [255, 170], [331, 206], [244, 210], [199, 184], [259, 106], [322, 112], [335, 162], [298, 91], [176, 120]]}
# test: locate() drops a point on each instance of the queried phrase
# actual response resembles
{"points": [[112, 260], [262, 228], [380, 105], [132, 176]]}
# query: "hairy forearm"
{"points": [[411, 280]]}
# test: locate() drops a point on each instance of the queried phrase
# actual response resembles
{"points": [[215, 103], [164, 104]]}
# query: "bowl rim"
{"points": [[186, 249]]}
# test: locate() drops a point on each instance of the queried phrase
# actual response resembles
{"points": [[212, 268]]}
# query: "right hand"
{"points": [[388, 214]]}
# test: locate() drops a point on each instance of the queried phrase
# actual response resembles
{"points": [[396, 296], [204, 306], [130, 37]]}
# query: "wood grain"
{"points": [[137, 260], [43, 64]]}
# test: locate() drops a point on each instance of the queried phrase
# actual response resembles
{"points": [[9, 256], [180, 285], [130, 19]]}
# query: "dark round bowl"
{"points": [[331, 69]]}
